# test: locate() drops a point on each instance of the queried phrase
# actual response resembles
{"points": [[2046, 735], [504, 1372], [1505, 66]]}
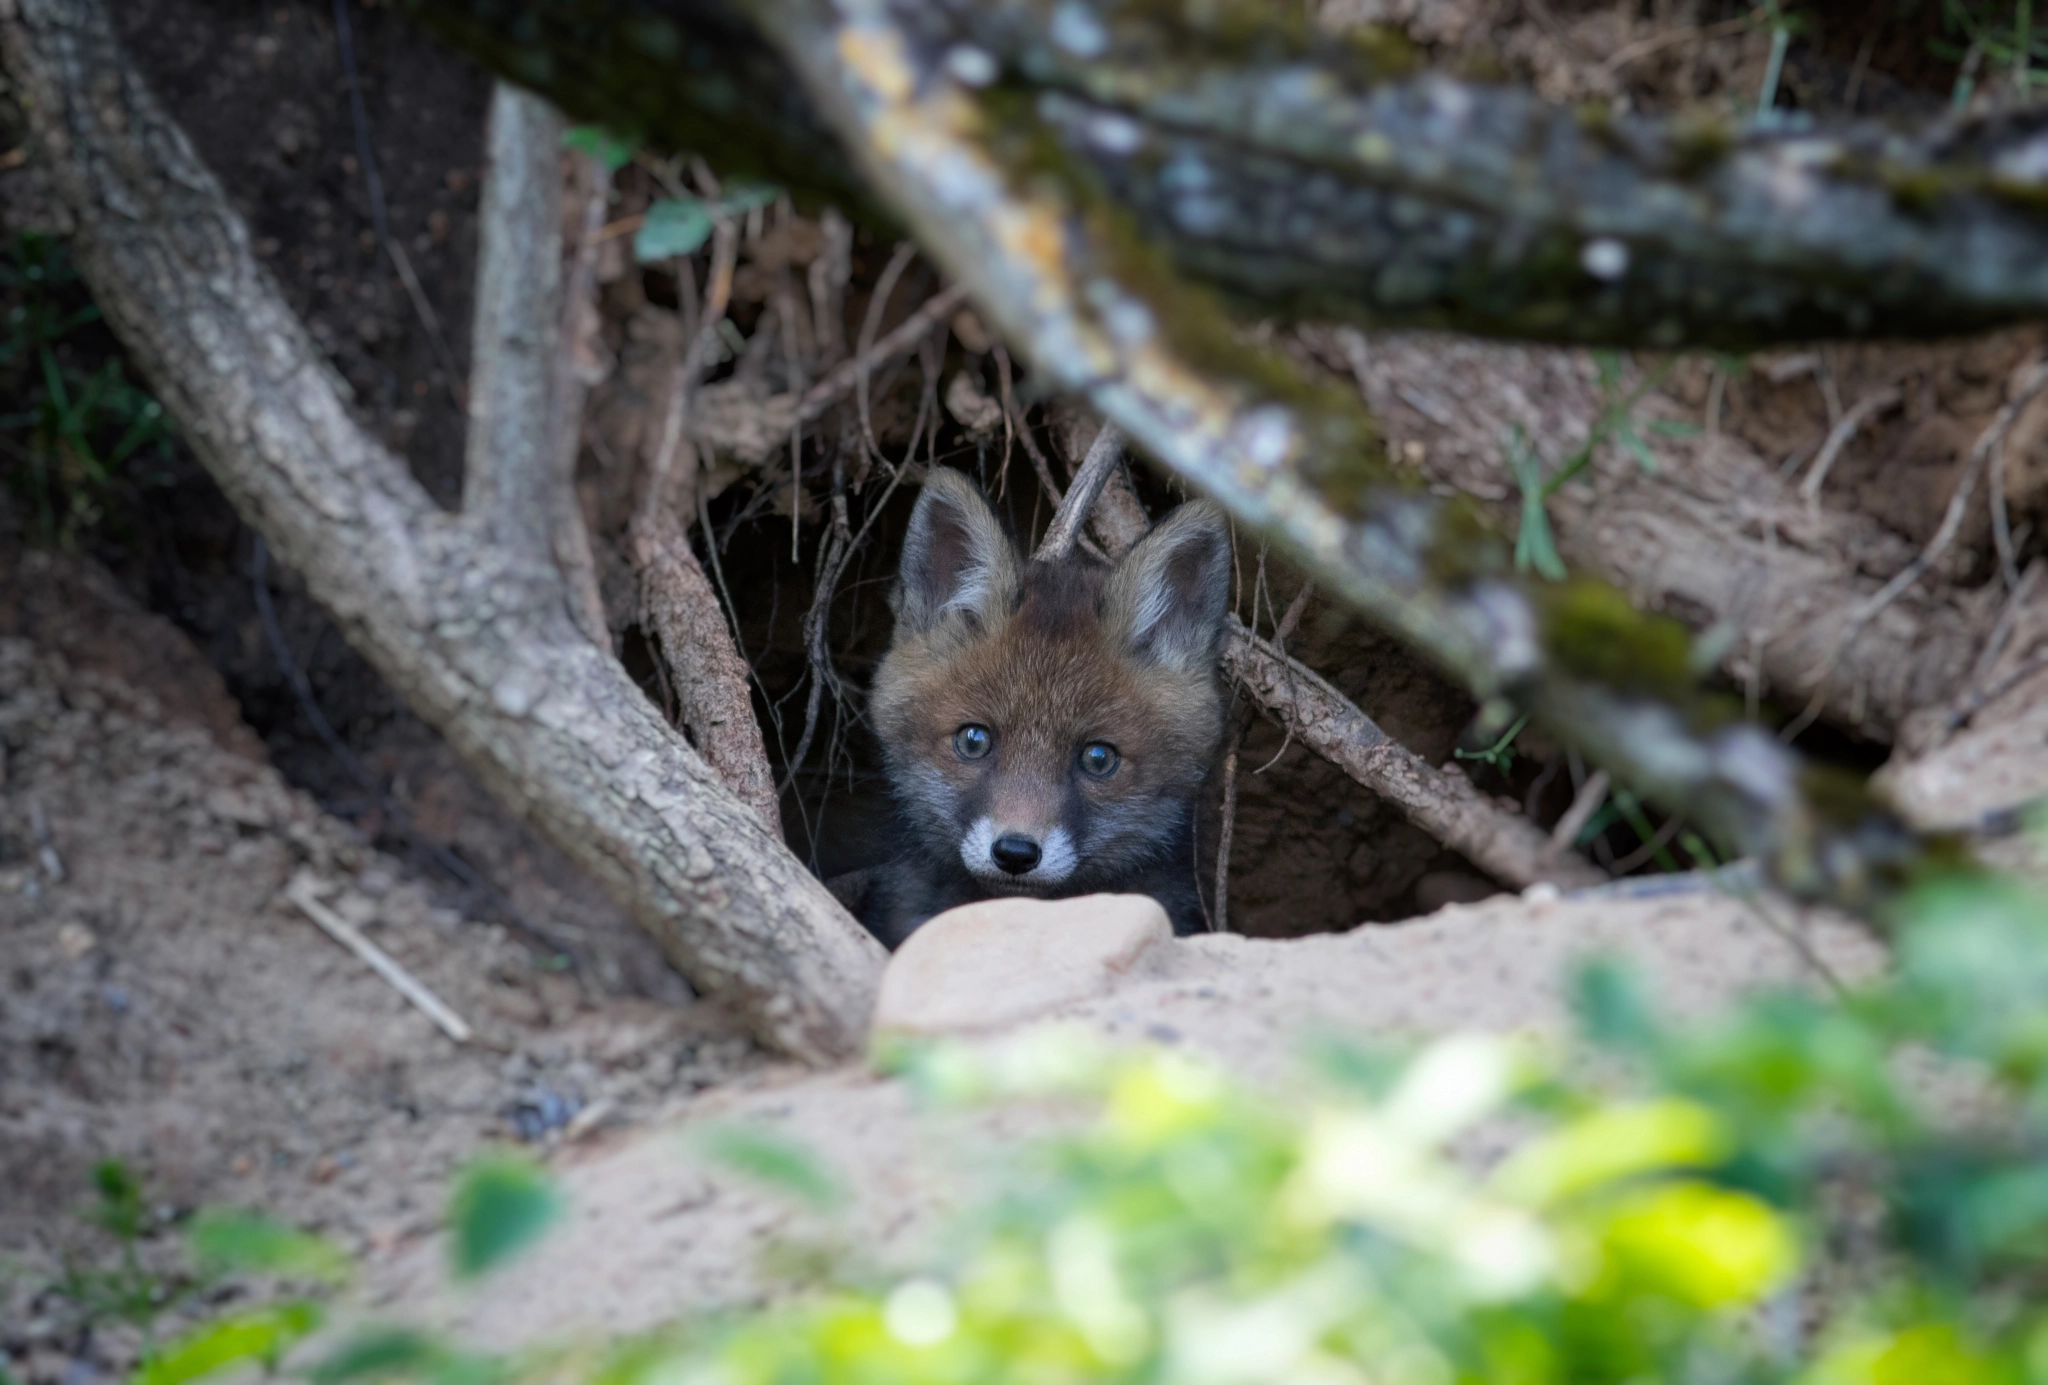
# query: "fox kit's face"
{"points": [[1049, 724]]}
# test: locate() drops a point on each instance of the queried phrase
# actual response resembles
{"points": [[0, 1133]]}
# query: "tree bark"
{"points": [[1318, 178], [476, 632]]}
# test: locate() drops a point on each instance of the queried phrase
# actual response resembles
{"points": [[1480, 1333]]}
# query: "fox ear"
{"points": [[1168, 595], [956, 557]]}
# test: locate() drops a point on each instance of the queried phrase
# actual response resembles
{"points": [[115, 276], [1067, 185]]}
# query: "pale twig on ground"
{"points": [[304, 892]]}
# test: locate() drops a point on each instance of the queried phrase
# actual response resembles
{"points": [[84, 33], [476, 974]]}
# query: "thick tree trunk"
{"points": [[475, 629]]}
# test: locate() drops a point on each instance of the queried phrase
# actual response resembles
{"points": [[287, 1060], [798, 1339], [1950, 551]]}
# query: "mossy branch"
{"points": [[1311, 176]]}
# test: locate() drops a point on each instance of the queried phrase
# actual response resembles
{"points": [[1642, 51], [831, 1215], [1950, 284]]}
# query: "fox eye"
{"points": [[972, 741], [1099, 759]]}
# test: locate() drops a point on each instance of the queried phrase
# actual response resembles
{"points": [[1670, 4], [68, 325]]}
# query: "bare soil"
{"points": [[165, 1006]]}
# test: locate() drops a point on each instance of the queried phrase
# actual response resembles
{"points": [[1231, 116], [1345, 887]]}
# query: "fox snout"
{"points": [[1014, 858]]}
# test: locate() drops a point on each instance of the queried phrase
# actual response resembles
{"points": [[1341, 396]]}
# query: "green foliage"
{"points": [[235, 1242], [260, 1337], [69, 435], [502, 1205], [1535, 546], [681, 225], [1501, 754], [613, 151]]}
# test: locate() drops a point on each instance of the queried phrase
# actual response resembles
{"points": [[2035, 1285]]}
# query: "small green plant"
{"points": [[1501, 754], [1535, 545], [71, 435], [681, 225]]}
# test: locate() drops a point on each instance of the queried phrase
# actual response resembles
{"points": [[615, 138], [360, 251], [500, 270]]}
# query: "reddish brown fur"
{"points": [[1050, 661], [1052, 677]]}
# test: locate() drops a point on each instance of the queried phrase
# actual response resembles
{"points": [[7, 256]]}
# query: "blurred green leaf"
{"points": [[673, 227], [257, 1338], [773, 1160], [612, 151], [246, 1243], [501, 1205]]}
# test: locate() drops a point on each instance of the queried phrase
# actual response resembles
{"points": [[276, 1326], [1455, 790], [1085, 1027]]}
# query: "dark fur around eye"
{"points": [[1099, 759], [972, 741]]}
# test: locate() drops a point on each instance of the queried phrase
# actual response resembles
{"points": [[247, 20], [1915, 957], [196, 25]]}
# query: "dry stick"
{"points": [[1585, 803], [1988, 451], [863, 359], [901, 339], [1977, 698], [1105, 454], [380, 222], [1290, 619], [1443, 803], [1838, 438], [717, 294], [1016, 415], [1219, 922], [301, 892]]}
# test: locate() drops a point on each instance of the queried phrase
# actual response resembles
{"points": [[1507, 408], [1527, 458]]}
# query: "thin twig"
{"points": [[1219, 921], [1585, 803], [1839, 437], [303, 892], [401, 821], [717, 295], [1651, 847], [1023, 429], [1105, 454], [1989, 450], [863, 353], [380, 220]]}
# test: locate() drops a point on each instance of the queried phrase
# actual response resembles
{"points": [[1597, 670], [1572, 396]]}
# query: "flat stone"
{"points": [[1002, 961]]}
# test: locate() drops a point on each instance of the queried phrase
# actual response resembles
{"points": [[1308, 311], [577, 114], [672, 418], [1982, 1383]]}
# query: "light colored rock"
{"points": [[1002, 961]]}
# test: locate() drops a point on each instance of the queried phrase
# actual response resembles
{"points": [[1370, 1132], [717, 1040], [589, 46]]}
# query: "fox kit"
{"points": [[1047, 726]]}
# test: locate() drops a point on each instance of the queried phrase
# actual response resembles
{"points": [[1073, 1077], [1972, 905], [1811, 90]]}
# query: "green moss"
{"points": [[1699, 144], [1590, 630]]}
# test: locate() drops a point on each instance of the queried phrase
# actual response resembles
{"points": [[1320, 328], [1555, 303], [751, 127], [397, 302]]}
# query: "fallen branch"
{"points": [[1312, 177], [304, 892], [467, 616]]}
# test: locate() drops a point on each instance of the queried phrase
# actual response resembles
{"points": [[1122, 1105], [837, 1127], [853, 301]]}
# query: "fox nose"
{"points": [[1014, 853]]}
